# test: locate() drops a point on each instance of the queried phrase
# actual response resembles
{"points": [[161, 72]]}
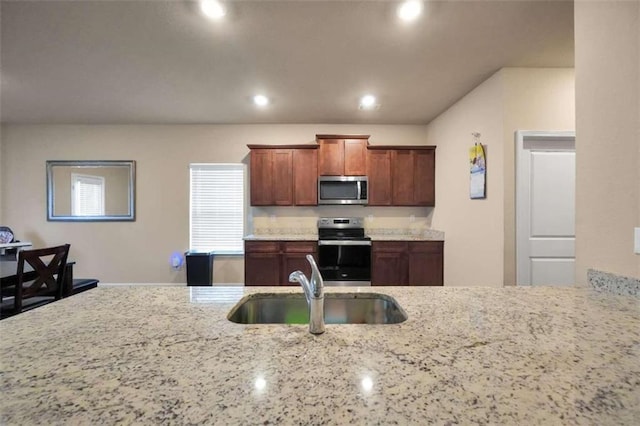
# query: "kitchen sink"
{"points": [[339, 308]]}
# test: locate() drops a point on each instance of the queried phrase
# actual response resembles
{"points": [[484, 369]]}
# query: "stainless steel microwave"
{"points": [[343, 190]]}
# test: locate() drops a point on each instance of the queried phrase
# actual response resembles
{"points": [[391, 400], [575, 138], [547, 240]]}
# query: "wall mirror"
{"points": [[91, 190]]}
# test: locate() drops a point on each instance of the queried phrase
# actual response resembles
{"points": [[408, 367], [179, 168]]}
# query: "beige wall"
{"points": [[1, 177], [535, 99], [473, 228], [607, 38], [480, 234], [139, 251]]}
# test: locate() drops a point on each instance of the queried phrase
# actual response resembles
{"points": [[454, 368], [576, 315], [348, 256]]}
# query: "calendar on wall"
{"points": [[478, 169]]}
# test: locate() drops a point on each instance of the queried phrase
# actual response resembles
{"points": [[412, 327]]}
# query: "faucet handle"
{"points": [[312, 262], [316, 279]]}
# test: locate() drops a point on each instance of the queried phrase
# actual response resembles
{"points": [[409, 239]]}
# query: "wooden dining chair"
{"points": [[42, 285]]}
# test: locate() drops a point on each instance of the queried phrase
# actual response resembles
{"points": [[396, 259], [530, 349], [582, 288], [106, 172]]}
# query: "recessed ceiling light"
{"points": [[368, 102], [261, 100], [212, 9], [410, 10]]}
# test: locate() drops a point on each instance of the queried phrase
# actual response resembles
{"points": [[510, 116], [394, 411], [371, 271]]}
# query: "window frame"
{"points": [[219, 166]]}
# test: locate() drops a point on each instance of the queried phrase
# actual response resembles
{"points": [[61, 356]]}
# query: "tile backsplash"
{"points": [[386, 226]]}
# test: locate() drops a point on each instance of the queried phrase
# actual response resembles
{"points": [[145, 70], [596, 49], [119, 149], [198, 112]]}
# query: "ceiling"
{"points": [[143, 62]]}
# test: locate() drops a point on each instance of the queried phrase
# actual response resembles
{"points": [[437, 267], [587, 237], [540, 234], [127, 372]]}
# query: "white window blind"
{"points": [[217, 208], [87, 195]]}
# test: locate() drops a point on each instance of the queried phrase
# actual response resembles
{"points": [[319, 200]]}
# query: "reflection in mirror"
{"points": [[90, 190]]}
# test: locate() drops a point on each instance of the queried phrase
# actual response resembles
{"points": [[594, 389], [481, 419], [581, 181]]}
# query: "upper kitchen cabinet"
{"points": [[283, 175], [342, 155], [413, 177], [305, 175], [401, 175], [379, 166]]}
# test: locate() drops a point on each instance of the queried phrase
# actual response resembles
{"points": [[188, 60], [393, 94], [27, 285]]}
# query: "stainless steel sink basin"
{"points": [[339, 308]]}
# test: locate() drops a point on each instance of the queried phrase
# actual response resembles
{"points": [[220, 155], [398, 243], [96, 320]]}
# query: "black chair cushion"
{"points": [[83, 284]]}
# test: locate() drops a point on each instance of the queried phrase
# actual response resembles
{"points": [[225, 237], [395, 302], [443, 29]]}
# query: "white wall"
{"points": [[607, 39]]}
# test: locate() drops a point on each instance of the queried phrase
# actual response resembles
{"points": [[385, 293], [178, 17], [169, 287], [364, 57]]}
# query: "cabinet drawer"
{"points": [[261, 247], [389, 246], [425, 247], [300, 246]]}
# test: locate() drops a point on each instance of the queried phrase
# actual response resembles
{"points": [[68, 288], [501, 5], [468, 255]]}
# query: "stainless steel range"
{"points": [[344, 252]]}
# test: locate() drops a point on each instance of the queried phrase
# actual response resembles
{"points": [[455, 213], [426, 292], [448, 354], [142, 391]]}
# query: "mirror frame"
{"points": [[131, 214]]}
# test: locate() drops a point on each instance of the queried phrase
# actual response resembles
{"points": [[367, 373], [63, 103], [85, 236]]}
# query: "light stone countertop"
{"points": [[281, 237], [404, 237], [168, 355], [400, 236]]}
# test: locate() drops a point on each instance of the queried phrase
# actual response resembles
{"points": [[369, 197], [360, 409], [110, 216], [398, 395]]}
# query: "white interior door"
{"points": [[545, 208]]}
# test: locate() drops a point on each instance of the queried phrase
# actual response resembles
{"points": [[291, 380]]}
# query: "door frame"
{"points": [[523, 215]]}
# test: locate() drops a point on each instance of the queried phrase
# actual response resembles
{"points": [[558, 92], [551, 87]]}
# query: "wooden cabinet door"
{"points": [[424, 177], [388, 263], [402, 177], [426, 263], [282, 177], [413, 177], [261, 269], [331, 157], [261, 263], [379, 166], [305, 177], [295, 259], [355, 157], [261, 171]]}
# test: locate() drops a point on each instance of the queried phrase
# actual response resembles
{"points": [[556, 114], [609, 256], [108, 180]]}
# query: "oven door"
{"points": [[345, 262]]}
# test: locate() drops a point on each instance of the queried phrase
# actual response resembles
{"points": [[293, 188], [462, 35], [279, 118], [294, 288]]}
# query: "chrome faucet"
{"points": [[314, 292]]}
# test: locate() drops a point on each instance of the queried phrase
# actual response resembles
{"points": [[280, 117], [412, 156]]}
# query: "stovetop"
{"points": [[338, 238]]}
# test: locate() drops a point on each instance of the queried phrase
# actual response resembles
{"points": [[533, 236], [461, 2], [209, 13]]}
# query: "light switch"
{"points": [[636, 241]]}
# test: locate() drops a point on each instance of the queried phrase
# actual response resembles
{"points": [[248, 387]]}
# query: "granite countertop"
{"points": [[281, 237], [404, 237], [148, 355], [397, 235]]}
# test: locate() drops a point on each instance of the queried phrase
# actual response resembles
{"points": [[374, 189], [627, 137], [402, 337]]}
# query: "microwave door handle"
{"points": [[358, 197]]}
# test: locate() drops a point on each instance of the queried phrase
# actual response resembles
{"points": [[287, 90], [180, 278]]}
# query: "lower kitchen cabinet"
{"points": [[262, 263], [388, 263], [269, 263], [426, 263], [407, 263]]}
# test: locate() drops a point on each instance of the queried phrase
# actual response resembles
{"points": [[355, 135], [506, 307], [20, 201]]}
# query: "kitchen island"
{"points": [[148, 355]]}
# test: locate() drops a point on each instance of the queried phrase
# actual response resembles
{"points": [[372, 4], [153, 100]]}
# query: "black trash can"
{"points": [[199, 268]]}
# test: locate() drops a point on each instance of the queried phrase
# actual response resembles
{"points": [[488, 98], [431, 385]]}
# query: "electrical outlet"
{"points": [[636, 241]]}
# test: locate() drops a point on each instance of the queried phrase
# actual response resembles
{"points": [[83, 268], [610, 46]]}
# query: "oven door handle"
{"points": [[344, 243]]}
